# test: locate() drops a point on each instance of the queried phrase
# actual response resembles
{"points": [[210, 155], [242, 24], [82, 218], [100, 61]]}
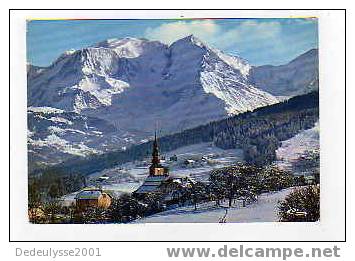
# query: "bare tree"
{"points": [[302, 205]]}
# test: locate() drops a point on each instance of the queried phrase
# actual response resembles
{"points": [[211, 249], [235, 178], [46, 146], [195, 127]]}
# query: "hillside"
{"points": [[265, 210], [258, 133], [294, 78]]}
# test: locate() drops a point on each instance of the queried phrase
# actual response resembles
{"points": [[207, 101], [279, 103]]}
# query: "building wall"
{"points": [[104, 201], [84, 203], [157, 171]]}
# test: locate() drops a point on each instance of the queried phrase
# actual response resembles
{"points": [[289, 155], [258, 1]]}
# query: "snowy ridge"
{"points": [[58, 143], [93, 85], [91, 77], [54, 135], [232, 86], [294, 78], [128, 47], [44, 110], [180, 86], [235, 62]]}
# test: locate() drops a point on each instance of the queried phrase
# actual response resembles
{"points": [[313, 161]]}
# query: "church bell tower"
{"points": [[156, 169]]}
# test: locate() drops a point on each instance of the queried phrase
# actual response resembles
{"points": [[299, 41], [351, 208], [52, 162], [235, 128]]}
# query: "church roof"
{"points": [[151, 184]]}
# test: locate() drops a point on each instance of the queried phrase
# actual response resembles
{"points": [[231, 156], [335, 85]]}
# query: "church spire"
{"points": [[156, 169], [155, 152]]}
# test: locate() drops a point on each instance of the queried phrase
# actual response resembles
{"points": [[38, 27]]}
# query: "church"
{"points": [[157, 173]]}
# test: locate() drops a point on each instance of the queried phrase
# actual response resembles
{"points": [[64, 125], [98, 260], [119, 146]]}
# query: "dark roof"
{"points": [[151, 184], [89, 194]]}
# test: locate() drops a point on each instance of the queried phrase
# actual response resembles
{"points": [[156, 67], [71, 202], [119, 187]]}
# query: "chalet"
{"points": [[93, 198]]}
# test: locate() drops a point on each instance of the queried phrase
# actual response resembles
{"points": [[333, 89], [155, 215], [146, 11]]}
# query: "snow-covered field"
{"points": [[204, 157], [265, 210], [128, 177], [291, 149], [197, 161]]}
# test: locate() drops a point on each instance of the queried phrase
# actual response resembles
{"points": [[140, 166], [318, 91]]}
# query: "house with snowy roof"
{"points": [[92, 197]]}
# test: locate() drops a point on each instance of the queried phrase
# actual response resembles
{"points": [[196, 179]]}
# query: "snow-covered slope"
{"points": [[148, 72], [291, 149], [134, 84], [296, 77], [54, 135], [265, 210]]}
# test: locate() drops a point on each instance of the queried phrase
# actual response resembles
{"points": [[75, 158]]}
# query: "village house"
{"points": [[92, 198]]}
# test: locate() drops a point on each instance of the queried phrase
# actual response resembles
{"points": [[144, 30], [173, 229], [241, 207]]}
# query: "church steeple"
{"points": [[155, 152], [156, 169], [157, 173]]}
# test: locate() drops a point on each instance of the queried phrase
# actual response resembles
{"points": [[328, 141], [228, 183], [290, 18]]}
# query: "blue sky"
{"points": [[260, 41]]}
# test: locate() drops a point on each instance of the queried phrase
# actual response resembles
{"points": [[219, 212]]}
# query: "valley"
{"points": [[152, 132]]}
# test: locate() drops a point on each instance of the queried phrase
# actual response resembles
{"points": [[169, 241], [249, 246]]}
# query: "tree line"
{"points": [[241, 182], [258, 133], [51, 185]]}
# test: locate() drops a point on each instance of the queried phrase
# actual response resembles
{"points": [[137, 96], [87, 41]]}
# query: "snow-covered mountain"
{"points": [[128, 86], [149, 71], [294, 78], [55, 135]]}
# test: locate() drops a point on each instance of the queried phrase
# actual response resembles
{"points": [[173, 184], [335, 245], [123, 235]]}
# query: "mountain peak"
{"points": [[116, 42], [129, 47], [310, 56], [191, 39], [278, 80]]}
